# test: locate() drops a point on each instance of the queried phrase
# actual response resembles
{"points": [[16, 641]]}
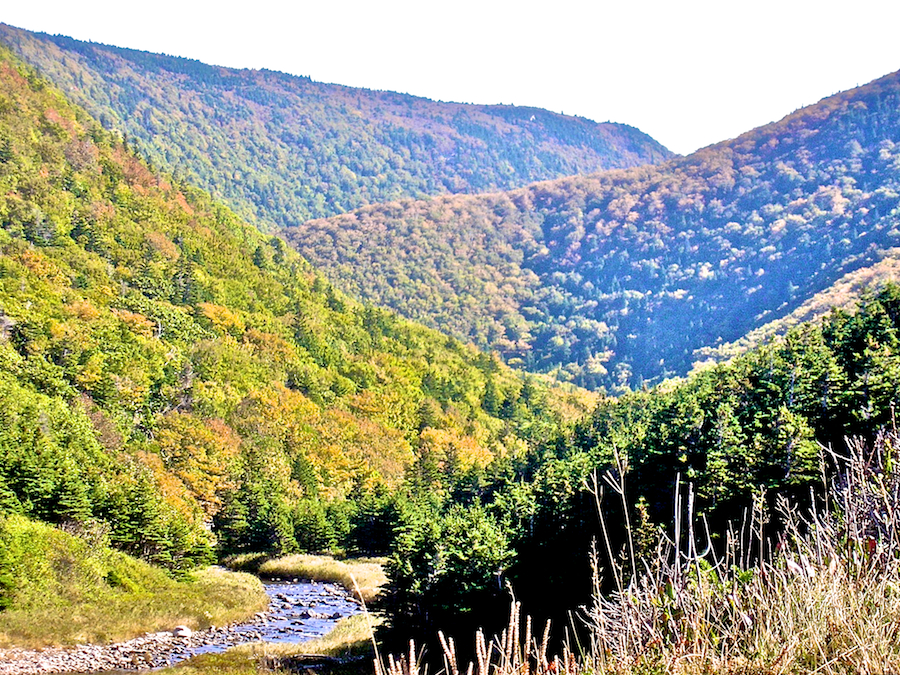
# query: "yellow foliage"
{"points": [[451, 448], [270, 345], [199, 452], [340, 445], [222, 319], [42, 267], [163, 245], [137, 323], [91, 373], [84, 310]]}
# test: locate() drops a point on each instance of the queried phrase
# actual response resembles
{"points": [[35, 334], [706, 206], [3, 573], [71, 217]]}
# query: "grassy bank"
{"points": [[346, 650], [361, 576], [61, 589]]}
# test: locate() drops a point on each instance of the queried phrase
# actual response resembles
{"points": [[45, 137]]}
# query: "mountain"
{"points": [[616, 278], [165, 367], [281, 149], [844, 294]]}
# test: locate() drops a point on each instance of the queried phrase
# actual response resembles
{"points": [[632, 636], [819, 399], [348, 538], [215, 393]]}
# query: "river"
{"points": [[298, 611]]}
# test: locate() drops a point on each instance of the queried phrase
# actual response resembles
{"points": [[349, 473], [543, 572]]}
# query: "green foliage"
{"points": [[724, 435], [372, 521], [42, 565], [62, 587], [164, 366], [445, 569]]}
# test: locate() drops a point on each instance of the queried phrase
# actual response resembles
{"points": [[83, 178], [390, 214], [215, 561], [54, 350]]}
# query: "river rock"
{"points": [[182, 632]]}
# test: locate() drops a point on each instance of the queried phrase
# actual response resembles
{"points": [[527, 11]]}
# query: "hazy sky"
{"points": [[689, 73]]}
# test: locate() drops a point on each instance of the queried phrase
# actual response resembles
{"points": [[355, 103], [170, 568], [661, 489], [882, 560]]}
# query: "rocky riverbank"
{"points": [[149, 651], [298, 611]]}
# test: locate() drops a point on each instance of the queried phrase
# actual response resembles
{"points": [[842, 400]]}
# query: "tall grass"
{"points": [[823, 597], [364, 577], [820, 596]]}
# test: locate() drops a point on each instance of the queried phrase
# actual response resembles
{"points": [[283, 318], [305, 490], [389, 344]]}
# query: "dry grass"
{"points": [[824, 597], [350, 638], [346, 650], [516, 651], [362, 576], [232, 662]]}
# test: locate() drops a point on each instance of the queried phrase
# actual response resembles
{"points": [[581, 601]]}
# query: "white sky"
{"points": [[689, 72]]}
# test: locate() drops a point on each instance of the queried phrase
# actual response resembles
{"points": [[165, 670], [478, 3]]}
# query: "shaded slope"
{"points": [[618, 277], [281, 149], [843, 294]]}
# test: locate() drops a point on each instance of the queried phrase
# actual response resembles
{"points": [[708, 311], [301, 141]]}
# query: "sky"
{"points": [[688, 72]]}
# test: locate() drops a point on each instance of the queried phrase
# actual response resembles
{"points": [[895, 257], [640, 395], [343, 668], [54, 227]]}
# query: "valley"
{"points": [[614, 280], [520, 363]]}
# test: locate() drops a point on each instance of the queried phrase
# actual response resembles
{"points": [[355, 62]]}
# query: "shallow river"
{"points": [[298, 611]]}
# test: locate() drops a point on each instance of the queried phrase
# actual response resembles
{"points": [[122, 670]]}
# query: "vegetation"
{"points": [[844, 294], [817, 596], [166, 369], [176, 385], [362, 577], [60, 588], [281, 149], [723, 435], [614, 280], [346, 650]]}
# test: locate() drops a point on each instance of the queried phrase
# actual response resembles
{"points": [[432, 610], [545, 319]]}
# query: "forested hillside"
{"points": [[281, 149], [732, 438], [165, 367], [617, 278], [180, 385]]}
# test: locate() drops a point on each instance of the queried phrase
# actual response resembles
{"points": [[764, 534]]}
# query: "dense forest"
{"points": [[733, 437], [615, 279], [166, 369], [281, 149], [181, 386]]}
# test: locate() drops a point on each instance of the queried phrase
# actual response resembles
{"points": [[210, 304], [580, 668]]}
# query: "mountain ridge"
{"points": [[166, 368], [282, 148], [634, 269]]}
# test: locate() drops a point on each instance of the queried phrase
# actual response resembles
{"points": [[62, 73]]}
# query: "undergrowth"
{"points": [[820, 595]]}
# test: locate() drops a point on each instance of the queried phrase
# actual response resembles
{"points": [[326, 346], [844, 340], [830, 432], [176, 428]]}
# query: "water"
{"points": [[298, 611]]}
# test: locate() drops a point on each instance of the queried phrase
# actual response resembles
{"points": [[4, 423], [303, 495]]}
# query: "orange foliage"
{"points": [[341, 446], [451, 448], [222, 319], [41, 266], [163, 245], [137, 323], [200, 453], [173, 490], [82, 309], [273, 346]]}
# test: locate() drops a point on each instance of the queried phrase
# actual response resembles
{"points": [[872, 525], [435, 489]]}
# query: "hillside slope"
{"points": [[281, 149], [616, 278], [165, 366]]}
